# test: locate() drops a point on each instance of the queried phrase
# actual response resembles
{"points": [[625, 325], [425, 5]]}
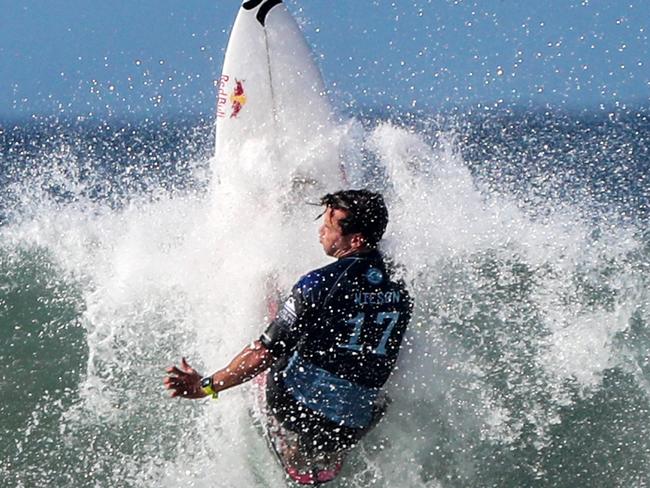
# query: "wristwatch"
{"points": [[206, 386]]}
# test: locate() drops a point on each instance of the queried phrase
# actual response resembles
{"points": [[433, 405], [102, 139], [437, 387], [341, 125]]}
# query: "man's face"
{"points": [[331, 236]]}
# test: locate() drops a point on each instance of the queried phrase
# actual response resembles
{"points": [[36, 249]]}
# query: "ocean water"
{"points": [[523, 236]]}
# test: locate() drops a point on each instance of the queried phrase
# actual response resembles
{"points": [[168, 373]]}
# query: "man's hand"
{"points": [[184, 381]]}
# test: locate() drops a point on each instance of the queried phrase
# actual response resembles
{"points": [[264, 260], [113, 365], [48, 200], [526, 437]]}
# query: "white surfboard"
{"points": [[276, 147], [274, 121]]}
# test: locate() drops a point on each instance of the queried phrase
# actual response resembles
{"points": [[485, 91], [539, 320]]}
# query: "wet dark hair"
{"points": [[367, 213]]}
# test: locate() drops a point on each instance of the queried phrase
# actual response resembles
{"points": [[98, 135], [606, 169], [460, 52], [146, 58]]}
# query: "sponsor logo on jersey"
{"points": [[288, 312], [374, 276]]}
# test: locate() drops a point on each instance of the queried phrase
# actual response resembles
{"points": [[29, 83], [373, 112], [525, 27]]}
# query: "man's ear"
{"points": [[358, 241]]}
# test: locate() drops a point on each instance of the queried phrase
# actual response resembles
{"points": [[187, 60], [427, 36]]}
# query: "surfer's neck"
{"points": [[354, 252]]}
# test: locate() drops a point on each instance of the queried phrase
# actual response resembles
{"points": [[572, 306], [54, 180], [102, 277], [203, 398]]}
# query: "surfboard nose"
{"points": [[265, 7]]}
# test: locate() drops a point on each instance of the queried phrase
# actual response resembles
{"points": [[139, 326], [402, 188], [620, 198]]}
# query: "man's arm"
{"points": [[280, 336], [185, 381], [246, 365]]}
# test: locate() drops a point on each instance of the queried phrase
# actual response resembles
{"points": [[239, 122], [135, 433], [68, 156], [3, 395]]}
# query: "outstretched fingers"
{"points": [[183, 381]]}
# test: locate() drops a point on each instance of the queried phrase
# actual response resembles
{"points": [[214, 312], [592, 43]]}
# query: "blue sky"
{"points": [[152, 58]]}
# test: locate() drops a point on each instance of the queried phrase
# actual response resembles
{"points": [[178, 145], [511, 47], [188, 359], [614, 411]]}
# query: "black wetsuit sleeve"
{"points": [[282, 334]]}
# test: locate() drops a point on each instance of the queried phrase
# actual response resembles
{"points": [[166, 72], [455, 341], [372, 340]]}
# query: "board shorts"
{"points": [[314, 433]]}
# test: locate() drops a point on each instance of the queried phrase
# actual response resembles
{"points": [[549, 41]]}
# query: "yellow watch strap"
{"points": [[209, 391]]}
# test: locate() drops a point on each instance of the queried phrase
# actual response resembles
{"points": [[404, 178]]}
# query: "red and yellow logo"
{"points": [[237, 98]]}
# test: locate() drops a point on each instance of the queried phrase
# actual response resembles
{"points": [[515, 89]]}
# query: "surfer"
{"points": [[331, 347]]}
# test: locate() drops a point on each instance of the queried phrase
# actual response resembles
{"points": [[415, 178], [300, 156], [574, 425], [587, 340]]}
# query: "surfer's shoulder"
{"points": [[311, 284]]}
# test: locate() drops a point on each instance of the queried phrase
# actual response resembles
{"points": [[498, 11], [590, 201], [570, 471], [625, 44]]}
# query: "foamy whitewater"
{"points": [[525, 364]]}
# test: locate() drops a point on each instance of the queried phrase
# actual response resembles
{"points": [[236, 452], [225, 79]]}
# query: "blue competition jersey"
{"points": [[340, 332]]}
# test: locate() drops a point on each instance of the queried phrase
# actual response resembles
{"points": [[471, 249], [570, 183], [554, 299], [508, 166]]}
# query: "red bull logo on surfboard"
{"points": [[230, 101], [238, 98]]}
